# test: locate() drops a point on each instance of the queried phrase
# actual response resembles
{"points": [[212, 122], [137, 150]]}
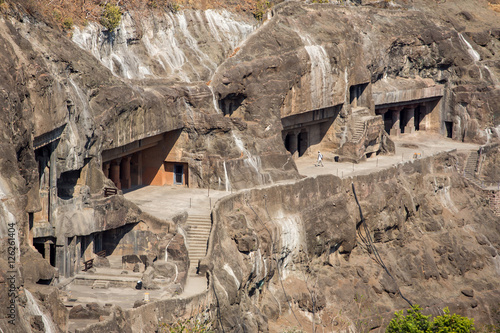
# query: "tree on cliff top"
{"points": [[111, 17], [416, 322]]}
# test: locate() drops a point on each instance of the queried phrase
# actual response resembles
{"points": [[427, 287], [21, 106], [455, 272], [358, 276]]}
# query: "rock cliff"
{"points": [[224, 88], [342, 255]]}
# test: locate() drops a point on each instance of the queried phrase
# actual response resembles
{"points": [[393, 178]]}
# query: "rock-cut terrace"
{"points": [[165, 202]]}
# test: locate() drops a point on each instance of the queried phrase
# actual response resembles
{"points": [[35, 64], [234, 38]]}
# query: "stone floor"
{"points": [[165, 202], [423, 143]]}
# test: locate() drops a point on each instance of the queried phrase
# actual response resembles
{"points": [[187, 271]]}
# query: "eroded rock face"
{"points": [[305, 57], [423, 220]]}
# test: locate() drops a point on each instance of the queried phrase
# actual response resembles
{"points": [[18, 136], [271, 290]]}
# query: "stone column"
{"points": [[410, 125], [105, 169], [293, 143], [139, 168], [53, 183], [67, 258], [125, 172], [47, 250], [396, 117], [115, 173]]}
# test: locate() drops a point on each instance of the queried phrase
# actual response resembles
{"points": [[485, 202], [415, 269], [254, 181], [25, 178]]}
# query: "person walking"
{"points": [[320, 159]]}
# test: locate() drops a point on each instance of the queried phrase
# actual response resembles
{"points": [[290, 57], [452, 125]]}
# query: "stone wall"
{"points": [[148, 317]]}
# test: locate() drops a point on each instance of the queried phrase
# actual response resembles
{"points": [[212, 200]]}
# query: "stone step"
{"points": [[361, 110], [197, 257], [198, 233], [199, 217], [200, 226], [198, 252], [197, 249], [198, 245], [100, 284], [199, 220]]}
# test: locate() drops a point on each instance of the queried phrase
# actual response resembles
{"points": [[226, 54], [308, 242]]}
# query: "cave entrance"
{"points": [[408, 117], [231, 103], [303, 140], [178, 174], [150, 161], [357, 96], [291, 143], [308, 129], [388, 121], [449, 129], [47, 248]]}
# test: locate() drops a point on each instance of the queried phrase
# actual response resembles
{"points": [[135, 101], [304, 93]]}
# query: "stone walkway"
{"points": [[425, 144], [165, 202]]}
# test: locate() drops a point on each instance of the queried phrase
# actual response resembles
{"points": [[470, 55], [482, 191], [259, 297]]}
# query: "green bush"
{"points": [[452, 323], [416, 322], [111, 17], [173, 6], [260, 9], [68, 23]]}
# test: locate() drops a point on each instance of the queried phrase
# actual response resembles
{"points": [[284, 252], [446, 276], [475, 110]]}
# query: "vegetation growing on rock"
{"points": [[416, 322], [111, 17]]}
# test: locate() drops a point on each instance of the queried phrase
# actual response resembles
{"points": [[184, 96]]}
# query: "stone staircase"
{"points": [[358, 115], [197, 238], [471, 168], [471, 165], [358, 130]]}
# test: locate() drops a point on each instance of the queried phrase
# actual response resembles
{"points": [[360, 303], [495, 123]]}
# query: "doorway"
{"points": [[178, 174]]}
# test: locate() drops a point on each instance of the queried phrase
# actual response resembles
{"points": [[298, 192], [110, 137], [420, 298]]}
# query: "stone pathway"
{"points": [[423, 143]]}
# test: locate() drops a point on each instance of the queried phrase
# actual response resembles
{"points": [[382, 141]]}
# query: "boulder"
{"points": [[164, 269]]}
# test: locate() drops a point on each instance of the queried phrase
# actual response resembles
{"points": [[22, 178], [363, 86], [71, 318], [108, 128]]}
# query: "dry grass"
{"points": [[80, 12], [495, 7]]}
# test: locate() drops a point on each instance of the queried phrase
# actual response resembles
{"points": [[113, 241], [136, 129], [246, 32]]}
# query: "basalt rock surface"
{"points": [[420, 231], [182, 73]]}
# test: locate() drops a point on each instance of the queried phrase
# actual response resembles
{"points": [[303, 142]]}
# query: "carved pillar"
{"points": [[139, 168], [115, 173], [47, 250], [410, 125], [293, 140], [395, 130], [126, 181], [53, 183], [105, 169]]}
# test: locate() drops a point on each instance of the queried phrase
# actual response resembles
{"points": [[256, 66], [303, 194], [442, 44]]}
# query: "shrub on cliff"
{"points": [[111, 17], [260, 8], [416, 322]]}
